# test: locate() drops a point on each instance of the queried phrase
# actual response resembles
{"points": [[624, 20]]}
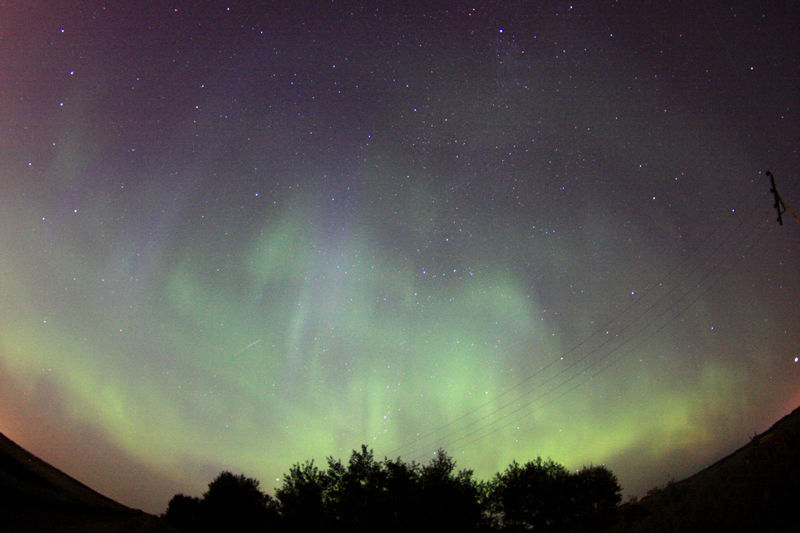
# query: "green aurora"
{"points": [[183, 293]]}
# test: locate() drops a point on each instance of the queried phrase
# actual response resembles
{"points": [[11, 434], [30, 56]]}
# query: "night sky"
{"points": [[237, 237]]}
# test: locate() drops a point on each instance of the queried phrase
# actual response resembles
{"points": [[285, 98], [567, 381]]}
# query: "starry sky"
{"points": [[239, 237]]}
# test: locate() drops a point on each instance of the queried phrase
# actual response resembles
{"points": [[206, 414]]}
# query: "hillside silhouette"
{"points": [[38, 497], [755, 488]]}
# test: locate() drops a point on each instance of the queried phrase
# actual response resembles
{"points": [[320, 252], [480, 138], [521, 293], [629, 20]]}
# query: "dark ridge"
{"points": [[755, 488], [38, 497]]}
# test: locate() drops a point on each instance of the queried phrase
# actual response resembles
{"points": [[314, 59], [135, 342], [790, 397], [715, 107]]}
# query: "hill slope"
{"points": [[38, 497], [756, 488]]}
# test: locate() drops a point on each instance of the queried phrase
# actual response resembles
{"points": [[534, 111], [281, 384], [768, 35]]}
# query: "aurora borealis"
{"points": [[238, 237]]}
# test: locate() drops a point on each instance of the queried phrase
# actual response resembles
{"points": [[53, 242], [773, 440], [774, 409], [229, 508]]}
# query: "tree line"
{"points": [[366, 494]]}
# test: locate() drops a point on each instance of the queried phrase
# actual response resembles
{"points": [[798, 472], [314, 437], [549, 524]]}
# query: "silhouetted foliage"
{"points": [[528, 497], [391, 496], [369, 495], [231, 503], [301, 497], [357, 499], [596, 497], [543, 496], [404, 507], [183, 513], [449, 499], [236, 503]]}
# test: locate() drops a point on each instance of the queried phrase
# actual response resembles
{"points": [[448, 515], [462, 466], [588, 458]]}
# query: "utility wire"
{"points": [[522, 386], [529, 406]]}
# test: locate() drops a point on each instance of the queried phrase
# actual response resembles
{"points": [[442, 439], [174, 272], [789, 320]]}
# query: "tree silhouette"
{"points": [[236, 503], [358, 493], [531, 496], [392, 496], [184, 513], [544, 496], [597, 495], [449, 499], [231, 503], [368, 495], [301, 498], [404, 501]]}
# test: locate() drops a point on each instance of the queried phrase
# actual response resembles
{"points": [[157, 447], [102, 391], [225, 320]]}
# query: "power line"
{"points": [[522, 387], [529, 407]]}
